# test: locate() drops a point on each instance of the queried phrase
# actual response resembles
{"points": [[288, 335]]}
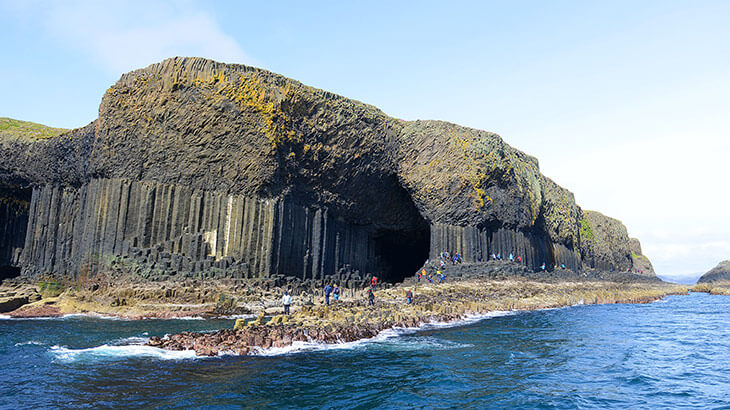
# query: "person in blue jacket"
{"points": [[327, 292]]}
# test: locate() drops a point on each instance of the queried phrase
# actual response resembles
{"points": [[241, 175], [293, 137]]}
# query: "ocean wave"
{"points": [[112, 352], [132, 340], [233, 317], [3, 317], [387, 337], [93, 316], [30, 342]]}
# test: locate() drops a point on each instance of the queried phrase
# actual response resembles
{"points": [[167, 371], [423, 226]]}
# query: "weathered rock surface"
{"points": [[604, 242], [718, 274], [202, 169], [641, 264], [15, 295], [354, 320]]}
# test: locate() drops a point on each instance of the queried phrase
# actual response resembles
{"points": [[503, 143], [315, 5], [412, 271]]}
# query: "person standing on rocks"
{"points": [[374, 282], [336, 292], [371, 298], [327, 292], [286, 301], [409, 296]]}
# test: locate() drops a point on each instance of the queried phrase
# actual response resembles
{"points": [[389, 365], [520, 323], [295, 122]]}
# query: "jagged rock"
{"points": [[718, 274], [14, 296], [640, 263]]}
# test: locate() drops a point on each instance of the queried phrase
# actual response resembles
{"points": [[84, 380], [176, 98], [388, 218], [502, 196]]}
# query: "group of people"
{"points": [[334, 291], [330, 290], [446, 257], [423, 274]]}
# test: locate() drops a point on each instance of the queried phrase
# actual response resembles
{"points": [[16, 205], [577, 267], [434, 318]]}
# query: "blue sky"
{"points": [[625, 103]]}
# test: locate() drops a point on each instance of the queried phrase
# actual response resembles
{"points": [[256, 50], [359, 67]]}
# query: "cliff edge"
{"points": [[201, 169]]}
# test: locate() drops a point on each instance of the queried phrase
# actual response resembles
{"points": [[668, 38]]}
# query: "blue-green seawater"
{"points": [[673, 353]]}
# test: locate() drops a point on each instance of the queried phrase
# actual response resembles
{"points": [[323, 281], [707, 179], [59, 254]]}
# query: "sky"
{"points": [[625, 103]]}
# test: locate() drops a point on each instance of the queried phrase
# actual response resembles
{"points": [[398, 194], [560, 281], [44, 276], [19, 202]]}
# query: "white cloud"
{"points": [[122, 36], [669, 191]]}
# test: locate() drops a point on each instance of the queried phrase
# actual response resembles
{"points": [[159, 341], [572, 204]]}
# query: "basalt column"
{"points": [[478, 244]]}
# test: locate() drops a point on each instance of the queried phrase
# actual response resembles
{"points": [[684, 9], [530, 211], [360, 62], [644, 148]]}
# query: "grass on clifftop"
{"points": [[24, 130]]}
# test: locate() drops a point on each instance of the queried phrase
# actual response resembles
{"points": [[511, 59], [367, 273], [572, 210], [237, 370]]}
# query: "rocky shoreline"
{"points": [[351, 321], [470, 289]]}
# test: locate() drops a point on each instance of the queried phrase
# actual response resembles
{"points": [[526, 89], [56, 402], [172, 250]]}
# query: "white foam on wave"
{"points": [[385, 337], [111, 352], [233, 317], [93, 316], [132, 340], [30, 342], [3, 317]]}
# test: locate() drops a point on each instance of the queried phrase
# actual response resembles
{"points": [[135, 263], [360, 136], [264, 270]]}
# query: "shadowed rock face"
{"points": [[197, 168], [641, 264], [605, 242], [720, 273]]}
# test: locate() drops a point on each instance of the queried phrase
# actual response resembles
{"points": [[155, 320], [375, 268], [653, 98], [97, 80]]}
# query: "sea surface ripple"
{"points": [[669, 354]]}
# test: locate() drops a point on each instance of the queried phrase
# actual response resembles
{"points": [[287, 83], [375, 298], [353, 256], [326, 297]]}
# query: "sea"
{"points": [[673, 353]]}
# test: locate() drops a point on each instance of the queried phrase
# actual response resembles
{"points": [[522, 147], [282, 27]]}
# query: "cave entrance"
{"points": [[402, 253], [14, 207]]}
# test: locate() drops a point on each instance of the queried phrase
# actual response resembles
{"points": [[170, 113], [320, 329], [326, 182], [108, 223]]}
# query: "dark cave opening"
{"points": [[9, 272], [14, 207], [402, 252]]}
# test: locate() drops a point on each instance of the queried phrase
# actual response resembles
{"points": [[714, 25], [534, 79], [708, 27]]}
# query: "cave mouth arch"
{"points": [[402, 253]]}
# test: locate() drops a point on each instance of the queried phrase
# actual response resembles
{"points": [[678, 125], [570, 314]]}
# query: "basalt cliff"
{"points": [[198, 169]]}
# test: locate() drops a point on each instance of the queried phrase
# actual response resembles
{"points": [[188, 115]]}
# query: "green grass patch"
{"points": [[28, 131], [586, 230], [51, 289]]}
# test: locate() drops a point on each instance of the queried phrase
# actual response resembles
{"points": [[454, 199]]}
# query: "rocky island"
{"points": [[715, 281], [209, 188]]}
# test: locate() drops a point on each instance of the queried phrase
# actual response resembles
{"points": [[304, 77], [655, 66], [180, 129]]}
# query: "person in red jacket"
{"points": [[374, 282]]}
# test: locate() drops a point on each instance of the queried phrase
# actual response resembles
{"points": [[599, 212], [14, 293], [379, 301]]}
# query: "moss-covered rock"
{"points": [[329, 171]]}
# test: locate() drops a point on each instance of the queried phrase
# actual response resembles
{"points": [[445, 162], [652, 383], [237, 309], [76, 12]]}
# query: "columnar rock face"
{"points": [[604, 242], [718, 274], [207, 169]]}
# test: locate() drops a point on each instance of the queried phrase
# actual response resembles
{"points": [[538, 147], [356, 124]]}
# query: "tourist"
{"points": [[499, 256], [519, 259], [374, 282], [327, 292], [493, 256], [286, 301], [442, 277], [371, 298], [511, 258], [409, 296], [336, 292], [542, 267]]}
